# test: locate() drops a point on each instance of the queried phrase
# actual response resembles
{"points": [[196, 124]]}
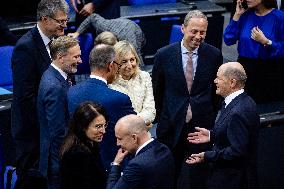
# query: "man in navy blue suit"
{"points": [[153, 164], [234, 135], [52, 105], [117, 105], [29, 60], [180, 106]]}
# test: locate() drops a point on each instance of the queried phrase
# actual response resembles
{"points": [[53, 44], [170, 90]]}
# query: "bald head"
{"points": [[131, 132], [131, 124], [234, 70]]}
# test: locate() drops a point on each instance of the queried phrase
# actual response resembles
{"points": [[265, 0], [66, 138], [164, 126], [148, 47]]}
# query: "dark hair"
{"points": [[84, 114], [269, 3]]}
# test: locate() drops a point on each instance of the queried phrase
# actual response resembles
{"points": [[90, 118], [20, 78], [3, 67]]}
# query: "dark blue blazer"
{"points": [[234, 151], [171, 93], [152, 167], [29, 60], [116, 104], [53, 117]]}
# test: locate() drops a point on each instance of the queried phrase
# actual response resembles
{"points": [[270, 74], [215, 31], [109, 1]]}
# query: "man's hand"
{"points": [[120, 156], [74, 35], [200, 136], [195, 158], [88, 9]]}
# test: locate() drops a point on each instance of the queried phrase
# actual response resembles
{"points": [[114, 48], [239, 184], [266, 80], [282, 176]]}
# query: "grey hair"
{"points": [[100, 56], [51, 7], [237, 74], [61, 45], [193, 14]]}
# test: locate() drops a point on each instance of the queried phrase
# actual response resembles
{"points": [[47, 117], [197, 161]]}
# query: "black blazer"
{"points": [[171, 93], [234, 151], [82, 168], [29, 60]]}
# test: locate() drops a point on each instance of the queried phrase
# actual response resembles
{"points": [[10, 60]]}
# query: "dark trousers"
{"points": [[189, 176]]}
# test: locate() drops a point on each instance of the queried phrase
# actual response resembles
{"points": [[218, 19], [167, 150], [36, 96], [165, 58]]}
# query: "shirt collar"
{"points": [[60, 71], [185, 51], [143, 145], [45, 39], [231, 97], [99, 78]]}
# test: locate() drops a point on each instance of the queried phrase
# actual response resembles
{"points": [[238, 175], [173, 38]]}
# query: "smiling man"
{"points": [[52, 105], [234, 153], [183, 87], [31, 57]]}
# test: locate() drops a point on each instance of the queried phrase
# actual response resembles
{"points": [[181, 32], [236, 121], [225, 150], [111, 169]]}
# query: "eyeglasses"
{"points": [[101, 126], [118, 65], [60, 22]]}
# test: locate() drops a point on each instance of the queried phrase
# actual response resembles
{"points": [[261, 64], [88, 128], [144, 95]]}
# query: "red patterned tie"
{"points": [[188, 72]]}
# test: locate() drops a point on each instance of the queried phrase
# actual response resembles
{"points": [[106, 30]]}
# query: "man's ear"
{"points": [[233, 83]]}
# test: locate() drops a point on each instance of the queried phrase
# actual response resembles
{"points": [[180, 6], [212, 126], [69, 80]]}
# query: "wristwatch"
{"points": [[114, 163], [269, 42]]}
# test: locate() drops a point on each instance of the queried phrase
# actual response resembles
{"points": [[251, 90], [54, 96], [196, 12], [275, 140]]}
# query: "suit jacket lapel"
{"points": [[227, 110], [177, 68], [59, 77], [200, 67], [148, 146], [41, 47]]}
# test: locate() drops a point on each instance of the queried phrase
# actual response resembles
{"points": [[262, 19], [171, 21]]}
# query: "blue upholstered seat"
{"points": [[176, 34], [6, 80], [86, 44]]}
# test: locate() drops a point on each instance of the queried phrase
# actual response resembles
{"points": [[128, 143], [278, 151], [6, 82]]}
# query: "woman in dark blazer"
{"points": [[81, 165]]}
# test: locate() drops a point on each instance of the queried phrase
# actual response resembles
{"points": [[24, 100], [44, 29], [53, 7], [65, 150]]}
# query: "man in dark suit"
{"points": [[52, 105], [117, 105], [153, 164], [184, 103], [234, 135], [29, 60], [108, 9]]}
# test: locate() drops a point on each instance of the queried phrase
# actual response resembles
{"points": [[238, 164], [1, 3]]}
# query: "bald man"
{"points": [[234, 135], [152, 165]]}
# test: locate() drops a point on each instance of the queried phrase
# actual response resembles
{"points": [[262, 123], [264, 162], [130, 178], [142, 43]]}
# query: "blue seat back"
{"points": [[10, 177], [147, 2], [176, 34], [6, 80], [86, 42]]}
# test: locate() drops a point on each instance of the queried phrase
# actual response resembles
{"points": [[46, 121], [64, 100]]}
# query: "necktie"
{"points": [[188, 72], [69, 80], [220, 111]]}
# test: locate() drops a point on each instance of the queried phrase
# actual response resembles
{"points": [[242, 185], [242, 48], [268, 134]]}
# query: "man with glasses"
{"points": [[31, 57], [103, 71]]}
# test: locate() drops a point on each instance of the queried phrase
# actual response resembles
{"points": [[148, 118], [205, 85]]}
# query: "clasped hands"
{"points": [[201, 135]]}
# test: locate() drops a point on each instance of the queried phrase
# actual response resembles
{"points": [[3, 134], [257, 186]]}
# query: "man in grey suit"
{"points": [[29, 60], [153, 164], [183, 87], [52, 105], [234, 135]]}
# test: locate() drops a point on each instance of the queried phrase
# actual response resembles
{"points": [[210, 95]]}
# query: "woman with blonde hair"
{"points": [[134, 82]]}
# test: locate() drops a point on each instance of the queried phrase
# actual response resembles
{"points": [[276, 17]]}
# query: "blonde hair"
{"points": [[106, 37], [122, 48]]}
